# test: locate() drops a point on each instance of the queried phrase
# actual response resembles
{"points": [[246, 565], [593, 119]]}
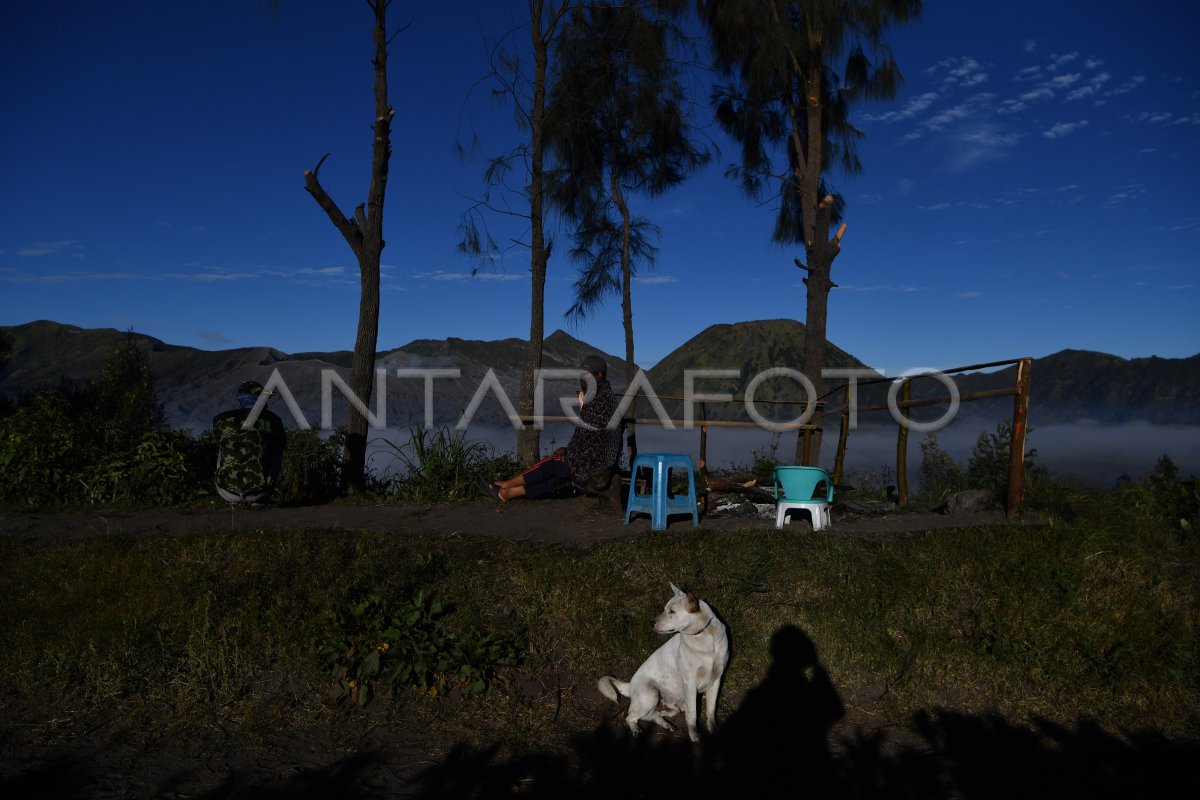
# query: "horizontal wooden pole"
{"points": [[943, 400], [696, 424]]}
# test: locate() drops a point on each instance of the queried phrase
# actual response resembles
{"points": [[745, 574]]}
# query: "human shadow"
{"points": [[777, 741], [777, 744], [774, 745]]}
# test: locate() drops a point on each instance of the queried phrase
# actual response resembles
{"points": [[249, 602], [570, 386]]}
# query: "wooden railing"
{"points": [[1016, 467], [1020, 424]]}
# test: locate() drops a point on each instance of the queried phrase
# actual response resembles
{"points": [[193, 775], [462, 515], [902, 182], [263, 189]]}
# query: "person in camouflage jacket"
{"points": [[591, 453], [250, 454]]}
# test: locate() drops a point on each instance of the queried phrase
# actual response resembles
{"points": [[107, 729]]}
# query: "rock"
{"points": [[971, 501]]}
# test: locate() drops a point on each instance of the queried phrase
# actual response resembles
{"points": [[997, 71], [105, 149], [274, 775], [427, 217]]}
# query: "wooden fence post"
{"points": [[1016, 447], [843, 434], [902, 447]]}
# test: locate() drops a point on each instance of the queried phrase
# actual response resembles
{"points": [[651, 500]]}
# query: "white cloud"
{"points": [[495, 277], [913, 107], [980, 144], [1040, 93], [1012, 107], [968, 294], [1059, 61], [50, 248], [1030, 73], [1064, 128], [209, 277], [13, 276], [1064, 81], [655, 280], [1130, 193], [1129, 85], [902, 288], [966, 110]]}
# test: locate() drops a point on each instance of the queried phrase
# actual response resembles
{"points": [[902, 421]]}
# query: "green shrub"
{"points": [[312, 467], [126, 403], [44, 445], [102, 443], [439, 465], [1163, 495], [161, 470], [988, 466], [940, 476], [374, 649], [765, 460]]}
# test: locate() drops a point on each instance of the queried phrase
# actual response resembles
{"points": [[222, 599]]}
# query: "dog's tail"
{"points": [[610, 687]]}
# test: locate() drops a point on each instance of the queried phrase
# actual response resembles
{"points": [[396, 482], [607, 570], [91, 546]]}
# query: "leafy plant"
{"points": [[127, 406], [940, 476], [988, 466], [1163, 495], [438, 466], [312, 466], [765, 461], [105, 442], [44, 445], [161, 470], [374, 649]]}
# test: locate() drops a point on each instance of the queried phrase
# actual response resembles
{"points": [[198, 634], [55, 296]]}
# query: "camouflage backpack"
{"points": [[247, 459]]}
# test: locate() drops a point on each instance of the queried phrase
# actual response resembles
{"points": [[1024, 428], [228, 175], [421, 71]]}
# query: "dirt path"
{"points": [[571, 521]]}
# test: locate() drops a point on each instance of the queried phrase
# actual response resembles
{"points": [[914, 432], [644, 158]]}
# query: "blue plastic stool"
{"points": [[659, 504]]}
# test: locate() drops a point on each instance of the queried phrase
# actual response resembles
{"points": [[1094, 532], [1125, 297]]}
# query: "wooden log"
{"points": [[843, 435], [902, 449], [1016, 447]]}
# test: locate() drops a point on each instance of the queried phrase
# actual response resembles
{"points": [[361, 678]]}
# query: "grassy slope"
{"points": [[1095, 617]]}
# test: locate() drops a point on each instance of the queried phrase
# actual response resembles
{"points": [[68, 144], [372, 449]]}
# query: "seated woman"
{"points": [[593, 449]]}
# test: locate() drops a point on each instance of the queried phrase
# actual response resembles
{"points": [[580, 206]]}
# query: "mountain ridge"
{"points": [[1068, 386]]}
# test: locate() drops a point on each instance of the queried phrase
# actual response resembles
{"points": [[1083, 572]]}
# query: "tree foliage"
{"points": [[791, 73], [126, 400], [515, 185], [616, 125]]}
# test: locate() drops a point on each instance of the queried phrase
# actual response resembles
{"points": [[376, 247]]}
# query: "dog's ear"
{"points": [[676, 590], [693, 605]]}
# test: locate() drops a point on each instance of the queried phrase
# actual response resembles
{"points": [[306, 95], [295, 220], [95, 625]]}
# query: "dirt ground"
{"points": [[791, 735], [579, 521]]}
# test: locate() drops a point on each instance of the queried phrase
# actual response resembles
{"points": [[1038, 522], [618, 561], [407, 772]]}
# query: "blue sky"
{"points": [[1032, 188]]}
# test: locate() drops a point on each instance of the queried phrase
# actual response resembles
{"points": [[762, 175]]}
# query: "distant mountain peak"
{"points": [[194, 384]]}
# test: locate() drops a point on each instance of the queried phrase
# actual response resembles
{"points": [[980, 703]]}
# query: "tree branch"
{"points": [[350, 232]]}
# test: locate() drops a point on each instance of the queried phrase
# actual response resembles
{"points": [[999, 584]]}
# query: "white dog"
{"points": [[689, 663]]}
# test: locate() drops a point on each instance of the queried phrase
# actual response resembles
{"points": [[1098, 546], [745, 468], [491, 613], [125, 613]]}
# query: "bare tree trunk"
{"points": [[364, 234], [819, 251], [626, 276], [626, 306], [529, 438]]}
